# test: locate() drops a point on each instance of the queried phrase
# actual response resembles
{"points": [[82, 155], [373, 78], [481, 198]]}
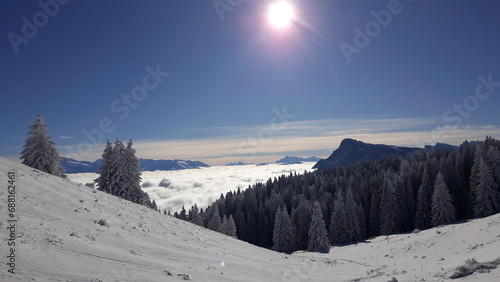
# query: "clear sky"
{"points": [[214, 81]]}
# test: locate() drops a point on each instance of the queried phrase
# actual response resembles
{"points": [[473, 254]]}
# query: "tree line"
{"points": [[347, 204]]}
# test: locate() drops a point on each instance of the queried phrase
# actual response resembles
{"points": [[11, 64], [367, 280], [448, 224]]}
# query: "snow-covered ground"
{"points": [[202, 186], [58, 238]]}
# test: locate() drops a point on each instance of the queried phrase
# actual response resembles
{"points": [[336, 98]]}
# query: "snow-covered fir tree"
{"points": [[195, 216], [460, 191], [443, 211], [375, 214], [389, 212], [117, 169], [352, 223], [215, 223], [263, 229], [405, 195], [104, 178], [362, 221], [132, 178], [423, 208], [228, 227], [182, 214], [39, 150], [301, 219], [318, 237], [474, 177], [154, 206], [120, 173], [486, 198], [338, 235], [494, 162], [283, 235]]}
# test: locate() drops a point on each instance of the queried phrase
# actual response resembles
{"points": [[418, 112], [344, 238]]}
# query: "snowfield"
{"points": [[202, 186], [68, 232]]}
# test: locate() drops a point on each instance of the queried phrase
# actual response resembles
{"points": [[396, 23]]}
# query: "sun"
{"points": [[280, 14]]}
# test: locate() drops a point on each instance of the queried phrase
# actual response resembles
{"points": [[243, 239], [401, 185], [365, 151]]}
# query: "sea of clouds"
{"points": [[173, 189]]}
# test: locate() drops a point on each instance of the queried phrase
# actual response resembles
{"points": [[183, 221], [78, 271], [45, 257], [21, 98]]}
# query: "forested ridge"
{"points": [[393, 195]]}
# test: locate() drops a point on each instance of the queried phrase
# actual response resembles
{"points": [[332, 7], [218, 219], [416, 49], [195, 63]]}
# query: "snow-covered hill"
{"points": [[68, 232]]}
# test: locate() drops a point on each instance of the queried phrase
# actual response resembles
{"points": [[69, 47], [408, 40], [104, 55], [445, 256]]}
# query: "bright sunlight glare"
{"points": [[280, 14]]}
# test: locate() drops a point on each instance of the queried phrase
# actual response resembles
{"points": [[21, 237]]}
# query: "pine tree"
{"points": [[408, 205], [375, 215], [215, 223], [283, 235], [251, 212], [461, 195], [195, 216], [338, 235], [318, 237], [131, 188], [238, 215], [104, 178], [352, 227], [39, 150], [389, 213], [494, 162], [182, 214], [120, 173], [228, 227], [362, 221], [272, 204], [486, 198], [264, 228], [405, 195], [251, 228], [241, 230], [223, 225], [117, 169], [474, 176], [301, 219], [423, 213], [154, 206], [443, 211]]}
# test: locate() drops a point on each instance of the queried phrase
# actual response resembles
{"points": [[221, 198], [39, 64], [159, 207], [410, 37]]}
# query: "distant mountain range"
{"points": [[285, 160], [351, 151], [74, 166], [236, 164], [297, 160]]}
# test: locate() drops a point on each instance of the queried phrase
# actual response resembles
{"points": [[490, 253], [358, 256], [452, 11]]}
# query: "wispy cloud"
{"points": [[65, 137]]}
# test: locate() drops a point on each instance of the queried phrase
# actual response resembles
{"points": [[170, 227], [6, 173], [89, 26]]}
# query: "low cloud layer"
{"points": [[201, 186]]}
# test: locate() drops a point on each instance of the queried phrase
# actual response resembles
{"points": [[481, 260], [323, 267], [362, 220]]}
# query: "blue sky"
{"points": [[229, 87]]}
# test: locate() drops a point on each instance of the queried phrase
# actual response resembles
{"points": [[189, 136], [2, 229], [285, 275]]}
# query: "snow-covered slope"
{"points": [[58, 239]]}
